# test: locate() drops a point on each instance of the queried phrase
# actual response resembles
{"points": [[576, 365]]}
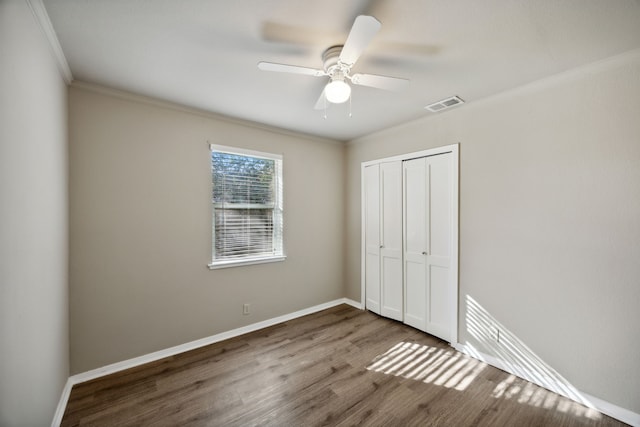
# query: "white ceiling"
{"points": [[203, 53]]}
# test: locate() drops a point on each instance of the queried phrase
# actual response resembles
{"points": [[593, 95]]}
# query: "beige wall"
{"points": [[549, 208], [34, 358], [141, 228], [549, 223], [549, 218]]}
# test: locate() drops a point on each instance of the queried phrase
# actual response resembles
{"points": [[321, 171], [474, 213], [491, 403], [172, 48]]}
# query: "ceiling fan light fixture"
{"points": [[337, 91], [337, 61]]}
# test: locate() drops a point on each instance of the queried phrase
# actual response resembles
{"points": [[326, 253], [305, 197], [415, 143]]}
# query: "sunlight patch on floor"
{"points": [[431, 365], [452, 369], [521, 360], [531, 394]]}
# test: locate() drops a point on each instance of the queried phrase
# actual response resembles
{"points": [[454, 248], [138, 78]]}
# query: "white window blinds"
{"points": [[247, 206]]}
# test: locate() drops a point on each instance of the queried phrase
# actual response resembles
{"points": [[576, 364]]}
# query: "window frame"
{"points": [[278, 216]]}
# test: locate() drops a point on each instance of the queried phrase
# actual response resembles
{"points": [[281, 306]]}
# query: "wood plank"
{"points": [[341, 366]]}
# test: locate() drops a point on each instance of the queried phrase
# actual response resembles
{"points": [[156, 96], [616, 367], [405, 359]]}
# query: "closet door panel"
{"points": [[392, 287], [415, 294], [440, 205], [410, 244], [391, 181], [391, 240], [372, 237], [415, 205], [439, 317], [439, 283], [415, 237]]}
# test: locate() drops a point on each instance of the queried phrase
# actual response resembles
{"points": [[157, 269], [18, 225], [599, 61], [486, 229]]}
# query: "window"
{"points": [[247, 207]]}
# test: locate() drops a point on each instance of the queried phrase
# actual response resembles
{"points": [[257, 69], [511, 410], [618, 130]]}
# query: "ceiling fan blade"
{"points": [[301, 36], [380, 82], [363, 30], [322, 102], [283, 68]]}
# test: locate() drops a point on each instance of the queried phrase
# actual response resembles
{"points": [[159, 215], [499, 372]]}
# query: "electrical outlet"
{"points": [[495, 334], [246, 309]]}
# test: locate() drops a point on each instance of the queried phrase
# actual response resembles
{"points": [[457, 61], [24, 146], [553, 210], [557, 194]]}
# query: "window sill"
{"points": [[240, 262]]}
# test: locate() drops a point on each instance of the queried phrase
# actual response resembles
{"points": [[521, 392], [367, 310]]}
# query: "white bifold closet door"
{"points": [[427, 245], [383, 231], [372, 237]]}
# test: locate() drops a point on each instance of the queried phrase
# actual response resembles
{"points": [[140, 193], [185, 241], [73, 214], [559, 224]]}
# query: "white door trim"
{"points": [[454, 150]]}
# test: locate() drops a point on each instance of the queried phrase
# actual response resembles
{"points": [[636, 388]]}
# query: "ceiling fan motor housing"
{"points": [[337, 61], [331, 62]]}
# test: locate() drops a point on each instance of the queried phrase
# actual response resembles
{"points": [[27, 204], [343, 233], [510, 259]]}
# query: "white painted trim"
{"points": [[42, 17], [614, 411], [603, 406], [455, 216], [363, 243], [455, 164], [596, 403], [353, 303], [241, 262], [172, 351], [563, 76], [414, 155], [160, 103], [527, 88], [62, 404], [245, 152]]}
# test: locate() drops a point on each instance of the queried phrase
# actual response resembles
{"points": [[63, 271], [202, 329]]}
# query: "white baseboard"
{"points": [[62, 404], [603, 406], [598, 404], [353, 303], [614, 411], [172, 351]]}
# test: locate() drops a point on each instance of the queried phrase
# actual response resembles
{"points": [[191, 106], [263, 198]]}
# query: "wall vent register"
{"points": [[444, 104]]}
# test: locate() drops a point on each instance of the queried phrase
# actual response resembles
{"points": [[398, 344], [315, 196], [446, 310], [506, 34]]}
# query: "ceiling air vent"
{"points": [[444, 104]]}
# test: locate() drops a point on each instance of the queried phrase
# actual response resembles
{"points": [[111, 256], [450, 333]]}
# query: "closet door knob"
{"points": [[424, 253], [381, 246]]}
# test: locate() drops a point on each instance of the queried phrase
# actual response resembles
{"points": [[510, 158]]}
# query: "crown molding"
{"points": [[42, 17], [551, 81], [157, 102]]}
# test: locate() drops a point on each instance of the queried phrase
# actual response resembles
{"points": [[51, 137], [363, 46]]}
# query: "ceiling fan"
{"points": [[337, 63]]}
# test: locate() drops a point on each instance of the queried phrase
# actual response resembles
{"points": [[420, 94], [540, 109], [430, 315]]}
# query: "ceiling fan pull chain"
{"points": [[337, 62], [325, 107]]}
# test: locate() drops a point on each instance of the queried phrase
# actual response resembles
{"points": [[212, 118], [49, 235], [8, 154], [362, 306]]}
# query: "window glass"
{"points": [[247, 206]]}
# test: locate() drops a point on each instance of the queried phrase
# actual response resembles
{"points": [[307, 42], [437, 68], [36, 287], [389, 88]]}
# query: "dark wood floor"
{"points": [[341, 366]]}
